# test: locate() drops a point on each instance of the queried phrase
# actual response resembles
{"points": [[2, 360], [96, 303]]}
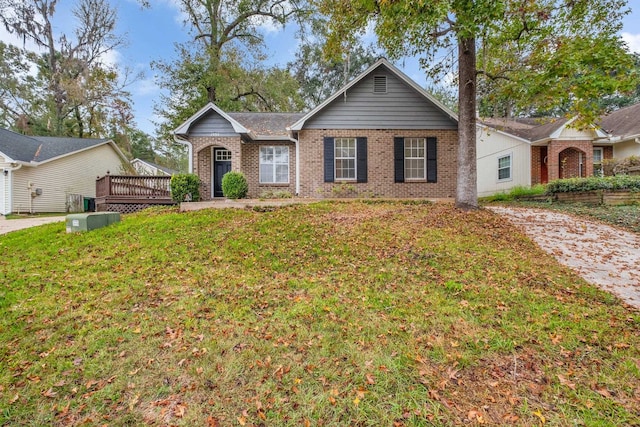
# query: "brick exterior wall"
{"points": [[536, 162], [380, 177], [251, 168], [559, 150], [607, 152], [203, 162]]}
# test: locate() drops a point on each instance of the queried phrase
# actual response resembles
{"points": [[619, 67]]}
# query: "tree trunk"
{"points": [[467, 191]]}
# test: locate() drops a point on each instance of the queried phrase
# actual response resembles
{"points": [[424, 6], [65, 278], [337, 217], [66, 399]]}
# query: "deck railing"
{"points": [[135, 187]]}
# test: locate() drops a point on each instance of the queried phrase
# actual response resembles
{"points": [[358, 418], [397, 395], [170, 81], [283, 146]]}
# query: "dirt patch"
{"points": [[603, 255]]}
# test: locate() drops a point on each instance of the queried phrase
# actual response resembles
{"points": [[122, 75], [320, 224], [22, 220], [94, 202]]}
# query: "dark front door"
{"points": [[221, 165]]}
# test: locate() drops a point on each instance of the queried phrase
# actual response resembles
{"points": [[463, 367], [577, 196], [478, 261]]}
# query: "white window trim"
{"points": [[274, 164], [510, 177], [355, 161], [601, 150], [424, 160]]}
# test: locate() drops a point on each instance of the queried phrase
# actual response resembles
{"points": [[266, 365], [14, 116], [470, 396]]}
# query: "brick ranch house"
{"points": [[380, 135], [525, 152]]}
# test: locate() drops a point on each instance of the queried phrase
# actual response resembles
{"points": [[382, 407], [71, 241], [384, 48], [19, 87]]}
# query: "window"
{"points": [[414, 158], [223, 155], [504, 168], [345, 158], [274, 165], [379, 84], [597, 161]]}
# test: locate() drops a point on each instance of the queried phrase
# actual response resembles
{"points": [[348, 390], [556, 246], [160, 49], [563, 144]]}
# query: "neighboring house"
{"points": [[38, 174], [145, 167], [381, 135], [526, 152]]}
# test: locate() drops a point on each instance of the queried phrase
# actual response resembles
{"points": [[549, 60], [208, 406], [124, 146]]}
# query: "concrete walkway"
{"points": [[8, 225], [603, 255]]}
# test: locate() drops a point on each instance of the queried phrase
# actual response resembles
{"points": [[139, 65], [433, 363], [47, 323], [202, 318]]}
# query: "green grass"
{"points": [[515, 193], [330, 314]]}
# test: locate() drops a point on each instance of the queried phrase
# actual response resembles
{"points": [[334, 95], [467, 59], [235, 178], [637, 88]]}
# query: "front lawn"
{"points": [[331, 314]]}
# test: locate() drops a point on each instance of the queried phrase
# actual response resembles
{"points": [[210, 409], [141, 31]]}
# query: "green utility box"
{"points": [[90, 221]]}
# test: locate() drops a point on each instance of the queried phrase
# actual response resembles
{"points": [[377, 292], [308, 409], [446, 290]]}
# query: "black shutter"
{"points": [[361, 159], [328, 160], [432, 159], [398, 158]]}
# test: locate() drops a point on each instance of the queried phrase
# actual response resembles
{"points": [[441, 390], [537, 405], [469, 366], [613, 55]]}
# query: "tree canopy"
{"points": [[223, 62], [64, 87]]}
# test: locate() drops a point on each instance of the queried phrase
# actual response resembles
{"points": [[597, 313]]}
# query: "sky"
{"points": [[152, 34]]}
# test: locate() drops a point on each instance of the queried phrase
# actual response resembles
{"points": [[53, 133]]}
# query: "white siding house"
{"points": [[39, 173], [503, 161]]}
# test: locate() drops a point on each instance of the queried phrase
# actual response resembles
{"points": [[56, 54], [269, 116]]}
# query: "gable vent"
{"points": [[379, 84]]}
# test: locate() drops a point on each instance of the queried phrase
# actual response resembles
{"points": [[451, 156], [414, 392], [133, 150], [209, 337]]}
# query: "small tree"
{"points": [[234, 185], [185, 187]]}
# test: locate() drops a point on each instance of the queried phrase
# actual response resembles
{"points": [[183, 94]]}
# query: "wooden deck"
{"points": [[126, 194]]}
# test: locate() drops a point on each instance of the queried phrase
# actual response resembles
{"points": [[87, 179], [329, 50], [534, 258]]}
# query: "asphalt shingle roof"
{"points": [[28, 149], [624, 122], [267, 124]]}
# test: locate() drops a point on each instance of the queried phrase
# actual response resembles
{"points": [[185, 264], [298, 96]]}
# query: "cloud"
{"points": [[632, 40], [146, 87]]}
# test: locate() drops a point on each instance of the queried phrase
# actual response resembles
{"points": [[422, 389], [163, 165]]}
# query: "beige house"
{"points": [[381, 135], [44, 174], [526, 152]]}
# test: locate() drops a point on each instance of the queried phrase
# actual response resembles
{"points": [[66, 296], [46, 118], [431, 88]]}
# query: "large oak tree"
{"points": [[541, 52]]}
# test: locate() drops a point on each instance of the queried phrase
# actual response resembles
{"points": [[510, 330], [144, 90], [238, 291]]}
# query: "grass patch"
{"points": [[326, 314], [517, 192]]}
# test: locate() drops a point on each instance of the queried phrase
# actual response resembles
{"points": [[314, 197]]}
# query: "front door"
{"points": [[221, 165]]}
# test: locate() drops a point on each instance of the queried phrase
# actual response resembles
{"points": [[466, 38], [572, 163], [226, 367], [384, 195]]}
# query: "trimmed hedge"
{"points": [[234, 185], [185, 184], [571, 185]]}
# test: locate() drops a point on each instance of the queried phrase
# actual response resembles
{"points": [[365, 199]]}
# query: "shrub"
{"points": [[185, 187], [516, 192], [234, 185], [619, 166], [618, 182]]}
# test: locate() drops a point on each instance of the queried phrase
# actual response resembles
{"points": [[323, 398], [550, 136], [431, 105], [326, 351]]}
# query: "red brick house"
{"points": [[381, 135]]}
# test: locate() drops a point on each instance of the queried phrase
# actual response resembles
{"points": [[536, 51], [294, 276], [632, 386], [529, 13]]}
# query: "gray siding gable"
{"points": [[211, 124], [401, 107]]}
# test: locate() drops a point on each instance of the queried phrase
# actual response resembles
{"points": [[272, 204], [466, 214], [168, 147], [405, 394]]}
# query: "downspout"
{"points": [[8, 205], [297, 143], [189, 149]]}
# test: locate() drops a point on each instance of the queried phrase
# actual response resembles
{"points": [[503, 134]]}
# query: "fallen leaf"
{"points": [[539, 415], [370, 379], [566, 382], [49, 393]]}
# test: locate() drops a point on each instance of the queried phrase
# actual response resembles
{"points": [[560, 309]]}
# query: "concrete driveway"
{"points": [[603, 255], [8, 225]]}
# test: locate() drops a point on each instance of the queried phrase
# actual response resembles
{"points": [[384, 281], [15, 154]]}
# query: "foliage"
{"points": [[619, 182], [517, 192], [185, 187], [332, 313], [73, 92], [320, 77], [223, 61], [619, 166], [234, 185]]}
